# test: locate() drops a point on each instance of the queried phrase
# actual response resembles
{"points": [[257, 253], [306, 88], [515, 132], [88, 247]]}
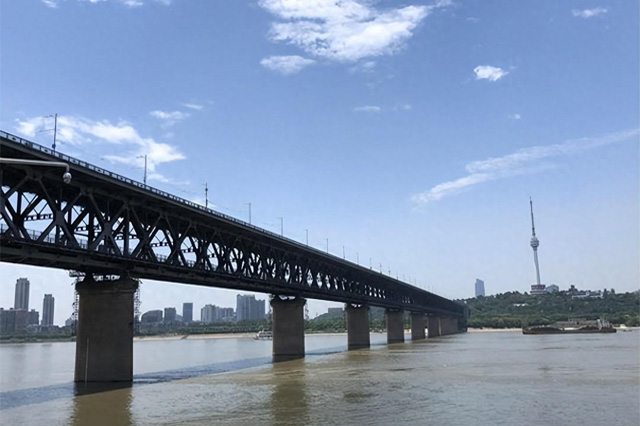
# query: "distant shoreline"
{"points": [[209, 336]]}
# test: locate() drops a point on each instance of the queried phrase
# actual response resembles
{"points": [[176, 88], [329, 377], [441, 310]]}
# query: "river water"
{"points": [[487, 378]]}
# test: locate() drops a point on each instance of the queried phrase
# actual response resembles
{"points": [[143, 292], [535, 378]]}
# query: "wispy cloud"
{"points": [[487, 72], [515, 116], [81, 131], [523, 161], [169, 118], [368, 108], [345, 31], [193, 106], [364, 67], [128, 3], [589, 13], [286, 64], [403, 107]]}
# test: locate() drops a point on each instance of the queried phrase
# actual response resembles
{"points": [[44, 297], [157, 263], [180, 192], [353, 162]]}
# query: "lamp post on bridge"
{"points": [[66, 177], [249, 204], [145, 167]]}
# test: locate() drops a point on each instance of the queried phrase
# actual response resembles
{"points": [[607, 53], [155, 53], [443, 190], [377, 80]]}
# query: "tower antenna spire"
{"points": [[533, 226], [538, 287]]}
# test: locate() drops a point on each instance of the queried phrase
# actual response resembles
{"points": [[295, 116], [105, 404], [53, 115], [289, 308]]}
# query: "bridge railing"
{"points": [[75, 161], [80, 243]]}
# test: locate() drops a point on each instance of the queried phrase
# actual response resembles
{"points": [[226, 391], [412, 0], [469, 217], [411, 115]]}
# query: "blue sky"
{"points": [[411, 133]]}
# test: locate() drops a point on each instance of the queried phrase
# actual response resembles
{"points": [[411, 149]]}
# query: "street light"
{"points": [[66, 176], [55, 129], [249, 204], [145, 167], [206, 195]]}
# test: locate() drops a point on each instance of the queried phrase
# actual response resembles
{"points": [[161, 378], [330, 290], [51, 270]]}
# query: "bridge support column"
{"points": [[395, 325], [417, 326], [433, 325], [450, 325], [288, 328], [357, 326], [104, 339]]}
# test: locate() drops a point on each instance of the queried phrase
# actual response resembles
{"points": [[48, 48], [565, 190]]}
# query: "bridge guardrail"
{"points": [[75, 161]]}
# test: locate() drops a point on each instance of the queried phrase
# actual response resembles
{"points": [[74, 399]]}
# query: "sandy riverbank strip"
{"points": [[196, 336], [217, 336]]}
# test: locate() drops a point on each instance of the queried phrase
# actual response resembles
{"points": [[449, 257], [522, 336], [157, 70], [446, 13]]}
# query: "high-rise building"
{"points": [[206, 314], [536, 288], [22, 295], [7, 321], [169, 314], [248, 308], [213, 313], [151, 317], [47, 309], [479, 288], [33, 317], [187, 312]]}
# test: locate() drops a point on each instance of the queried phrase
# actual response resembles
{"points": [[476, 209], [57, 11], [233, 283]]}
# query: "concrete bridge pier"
{"points": [[433, 325], [288, 328], [357, 326], [395, 325], [417, 326], [450, 325], [104, 338]]}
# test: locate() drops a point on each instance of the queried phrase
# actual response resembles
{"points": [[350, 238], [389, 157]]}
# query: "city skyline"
{"points": [[414, 151]]}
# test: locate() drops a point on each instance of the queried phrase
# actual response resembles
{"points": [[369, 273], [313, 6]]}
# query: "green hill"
{"points": [[515, 309]]}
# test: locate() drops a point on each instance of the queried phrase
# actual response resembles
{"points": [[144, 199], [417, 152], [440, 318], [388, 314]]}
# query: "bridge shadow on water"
{"points": [[23, 397]]}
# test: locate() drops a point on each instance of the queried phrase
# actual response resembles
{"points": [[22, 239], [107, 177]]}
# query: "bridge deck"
{"points": [[105, 223]]}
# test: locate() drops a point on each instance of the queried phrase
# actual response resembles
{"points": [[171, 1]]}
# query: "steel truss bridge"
{"points": [[105, 223]]}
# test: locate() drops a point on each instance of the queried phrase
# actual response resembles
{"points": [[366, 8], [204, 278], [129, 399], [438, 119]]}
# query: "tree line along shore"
{"points": [[502, 311], [516, 310]]}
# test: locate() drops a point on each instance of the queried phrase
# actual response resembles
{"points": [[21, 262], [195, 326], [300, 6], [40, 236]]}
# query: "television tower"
{"points": [[534, 244]]}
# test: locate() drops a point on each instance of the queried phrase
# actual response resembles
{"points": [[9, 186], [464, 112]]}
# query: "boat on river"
{"points": [[572, 327], [264, 335]]}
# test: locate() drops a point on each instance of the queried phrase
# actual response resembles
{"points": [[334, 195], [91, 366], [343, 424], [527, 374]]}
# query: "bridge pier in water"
{"points": [[417, 326], [104, 338], [395, 325], [433, 325], [357, 326], [449, 325], [288, 328]]}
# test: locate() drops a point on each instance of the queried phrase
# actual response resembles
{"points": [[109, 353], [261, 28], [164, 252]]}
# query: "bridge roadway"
{"points": [[106, 224]]}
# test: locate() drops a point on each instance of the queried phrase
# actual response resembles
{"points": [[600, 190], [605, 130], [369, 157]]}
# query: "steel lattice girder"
{"points": [[105, 223]]}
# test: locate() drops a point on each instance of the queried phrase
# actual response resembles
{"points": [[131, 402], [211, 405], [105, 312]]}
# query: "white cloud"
{"points": [[589, 13], [487, 72], [364, 67], [79, 131], [169, 118], [368, 108], [128, 3], [523, 161], [344, 31], [196, 107], [286, 64], [515, 116]]}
